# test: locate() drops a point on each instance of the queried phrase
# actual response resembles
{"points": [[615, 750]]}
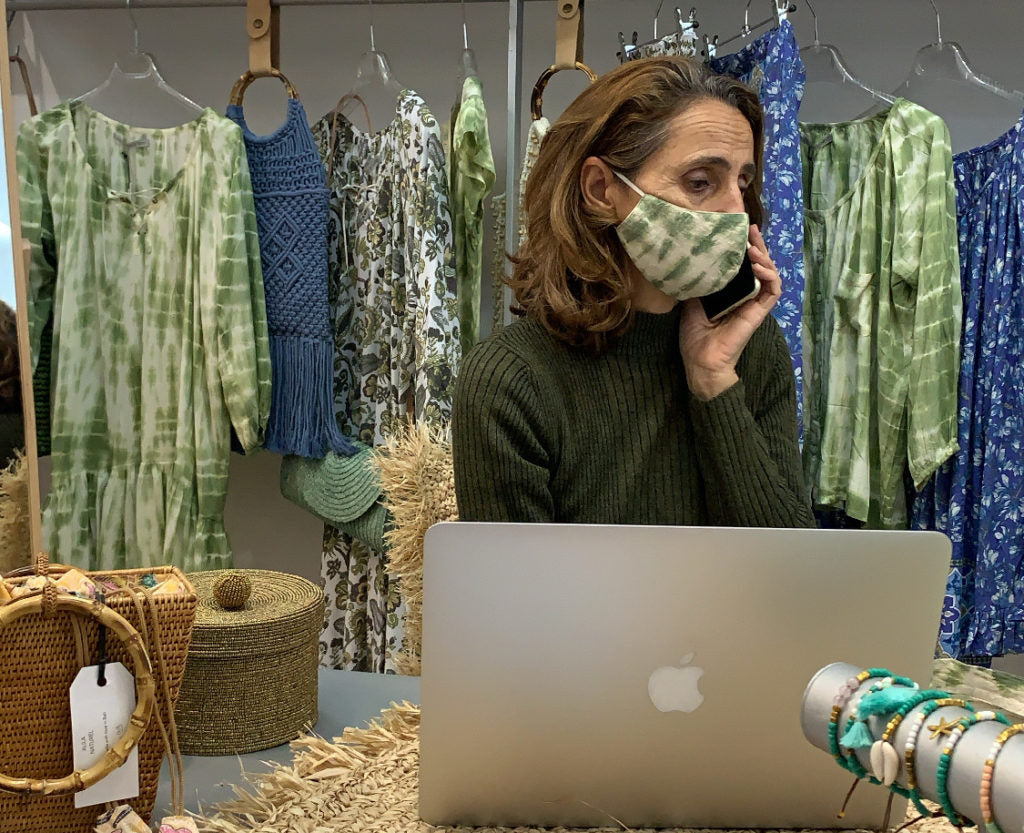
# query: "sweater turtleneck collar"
{"points": [[651, 334]]}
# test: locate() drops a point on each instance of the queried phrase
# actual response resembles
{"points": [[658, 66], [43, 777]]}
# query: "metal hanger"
{"points": [[781, 9], [138, 67], [628, 50], [946, 60], [825, 59]]}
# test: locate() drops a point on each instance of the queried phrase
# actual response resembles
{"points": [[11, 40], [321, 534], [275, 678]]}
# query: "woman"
{"points": [[12, 430], [612, 401]]}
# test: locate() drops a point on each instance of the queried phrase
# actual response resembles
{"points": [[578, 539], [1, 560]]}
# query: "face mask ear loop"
{"points": [[630, 184]]}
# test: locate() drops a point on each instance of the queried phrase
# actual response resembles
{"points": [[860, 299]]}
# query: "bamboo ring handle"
{"points": [[537, 99], [243, 83], [33, 570], [145, 687]]}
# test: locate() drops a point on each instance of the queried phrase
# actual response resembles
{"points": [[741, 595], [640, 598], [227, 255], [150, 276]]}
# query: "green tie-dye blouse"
{"points": [[472, 175], [144, 255], [881, 309]]}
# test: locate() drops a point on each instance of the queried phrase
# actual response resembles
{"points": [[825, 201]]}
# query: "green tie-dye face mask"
{"points": [[684, 253]]}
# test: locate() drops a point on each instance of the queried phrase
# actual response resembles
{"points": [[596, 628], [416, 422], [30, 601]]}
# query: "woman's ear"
{"points": [[603, 193]]}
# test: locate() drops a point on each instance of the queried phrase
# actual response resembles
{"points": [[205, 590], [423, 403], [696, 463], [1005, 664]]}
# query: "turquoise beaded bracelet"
{"points": [[915, 700], [843, 697], [947, 756], [911, 747]]}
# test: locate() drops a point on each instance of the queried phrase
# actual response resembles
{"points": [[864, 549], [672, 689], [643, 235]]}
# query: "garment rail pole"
{"points": [[515, 108], [72, 5]]}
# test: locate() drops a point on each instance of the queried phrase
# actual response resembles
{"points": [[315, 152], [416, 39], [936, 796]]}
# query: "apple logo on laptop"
{"points": [[674, 688]]}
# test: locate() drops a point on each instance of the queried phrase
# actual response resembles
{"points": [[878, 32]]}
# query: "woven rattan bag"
{"points": [[45, 639]]}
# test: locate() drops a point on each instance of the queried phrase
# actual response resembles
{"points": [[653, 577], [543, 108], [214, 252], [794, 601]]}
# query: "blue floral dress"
{"points": [[977, 498], [771, 65]]}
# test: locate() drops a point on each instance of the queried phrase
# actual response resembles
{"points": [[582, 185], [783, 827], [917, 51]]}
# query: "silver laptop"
{"points": [[588, 676]]}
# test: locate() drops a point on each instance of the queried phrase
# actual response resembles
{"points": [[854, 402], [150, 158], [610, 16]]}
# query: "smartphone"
{"points": [[738, 291]]}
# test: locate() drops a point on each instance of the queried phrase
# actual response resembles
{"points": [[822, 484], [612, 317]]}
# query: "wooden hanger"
{"points": [[568, 51], [262, 24], [23, 68]]}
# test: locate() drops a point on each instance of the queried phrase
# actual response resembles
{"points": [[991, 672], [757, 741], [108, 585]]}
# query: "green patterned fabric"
{"points": [[392, 287], [472, 175], [881, 310], [981, 685], [684, 253], [145, 258]]}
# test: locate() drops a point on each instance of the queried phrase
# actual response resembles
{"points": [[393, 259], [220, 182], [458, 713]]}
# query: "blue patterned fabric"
{"points": [[977, 498], [289, 185], [771, 65]]}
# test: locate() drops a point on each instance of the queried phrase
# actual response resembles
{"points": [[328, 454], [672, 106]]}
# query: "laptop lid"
{"points": [[590, 675]]}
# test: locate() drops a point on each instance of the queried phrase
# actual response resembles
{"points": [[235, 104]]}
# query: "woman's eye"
{"points": [[698, 184]]}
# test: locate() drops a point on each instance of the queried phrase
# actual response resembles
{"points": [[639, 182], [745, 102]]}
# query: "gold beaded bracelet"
{"points": [[910, 751], [946, 762], [987, 773]]}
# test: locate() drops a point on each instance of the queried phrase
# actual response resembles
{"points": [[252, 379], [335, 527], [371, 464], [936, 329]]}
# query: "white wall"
{"points": [[202, 51]]}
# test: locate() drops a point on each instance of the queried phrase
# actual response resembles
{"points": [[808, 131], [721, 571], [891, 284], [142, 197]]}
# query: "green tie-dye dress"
{"points": [[145, 258], [882, 309]]}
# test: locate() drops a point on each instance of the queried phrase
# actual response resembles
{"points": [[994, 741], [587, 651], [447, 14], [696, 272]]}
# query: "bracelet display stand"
{"points": [[968, 759]]}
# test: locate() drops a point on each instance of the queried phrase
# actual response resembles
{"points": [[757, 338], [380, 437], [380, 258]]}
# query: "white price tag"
{"points": [[99, 718]]}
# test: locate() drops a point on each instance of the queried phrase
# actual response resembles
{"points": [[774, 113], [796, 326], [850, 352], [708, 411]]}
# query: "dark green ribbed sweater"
{"points": [[545, 432]]}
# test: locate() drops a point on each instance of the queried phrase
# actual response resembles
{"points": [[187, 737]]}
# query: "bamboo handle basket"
{"points": [[45, 639]]}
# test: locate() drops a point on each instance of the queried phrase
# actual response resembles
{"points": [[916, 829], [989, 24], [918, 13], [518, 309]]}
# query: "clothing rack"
{"points": [[514, 96]]}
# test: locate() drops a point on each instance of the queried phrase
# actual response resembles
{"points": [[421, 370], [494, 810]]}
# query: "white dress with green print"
{"points": [[144, 252], [393, 297]]}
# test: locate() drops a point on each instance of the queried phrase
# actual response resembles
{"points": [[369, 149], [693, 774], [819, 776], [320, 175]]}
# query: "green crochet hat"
{"points": [[343, 491]]}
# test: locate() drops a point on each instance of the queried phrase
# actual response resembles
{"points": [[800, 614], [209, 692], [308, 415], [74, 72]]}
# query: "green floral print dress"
{"points": [[393, 295], [145, 263]]}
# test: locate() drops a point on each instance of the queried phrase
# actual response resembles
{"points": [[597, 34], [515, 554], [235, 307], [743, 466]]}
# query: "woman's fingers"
{"points": [[758, 241], [769, 275]]}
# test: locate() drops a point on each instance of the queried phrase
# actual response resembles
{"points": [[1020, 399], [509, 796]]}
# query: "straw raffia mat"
{"points": [[418, 480], [363, 782], [15, 548]]}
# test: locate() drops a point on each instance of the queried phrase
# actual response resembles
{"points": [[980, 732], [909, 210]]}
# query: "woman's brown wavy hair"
{"points": [[571, 274], [10, 378]]}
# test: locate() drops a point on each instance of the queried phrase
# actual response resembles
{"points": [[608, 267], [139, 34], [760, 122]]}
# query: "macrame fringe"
{"points": [[302, 420]]}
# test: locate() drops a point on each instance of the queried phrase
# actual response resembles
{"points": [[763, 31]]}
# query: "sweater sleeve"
{"points": [[750, 460], [502, 462]]}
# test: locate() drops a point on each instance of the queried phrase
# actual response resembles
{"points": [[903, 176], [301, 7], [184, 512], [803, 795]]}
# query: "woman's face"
{"points": [[706, 164]]}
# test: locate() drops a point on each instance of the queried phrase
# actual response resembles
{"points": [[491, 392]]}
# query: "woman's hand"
{"points": [[710, 351]]}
